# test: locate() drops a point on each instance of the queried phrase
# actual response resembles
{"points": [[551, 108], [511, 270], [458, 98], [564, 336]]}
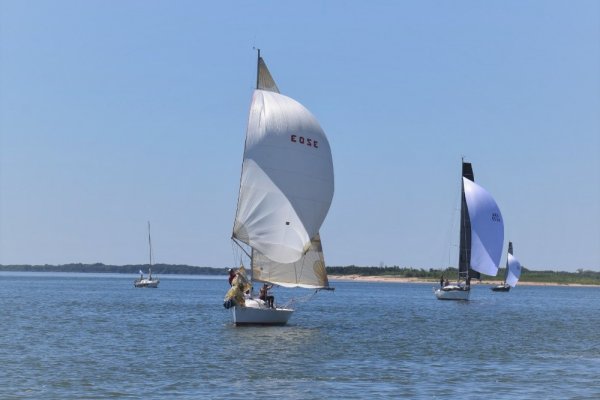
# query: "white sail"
{"points": [[308, 272], [514, 271], [487, 229], [287, 178], [265, 80], [286, 190]]}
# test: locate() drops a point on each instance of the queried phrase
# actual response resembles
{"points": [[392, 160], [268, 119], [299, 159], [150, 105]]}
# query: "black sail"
{"points": [[510, 251], [464, 257]]}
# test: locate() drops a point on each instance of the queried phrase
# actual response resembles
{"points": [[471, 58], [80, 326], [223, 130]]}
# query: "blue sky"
{"points": [[113, 113]]}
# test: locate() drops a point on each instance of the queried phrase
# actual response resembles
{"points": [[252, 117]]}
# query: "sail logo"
{"points": [[496, 217], [307, 141]]}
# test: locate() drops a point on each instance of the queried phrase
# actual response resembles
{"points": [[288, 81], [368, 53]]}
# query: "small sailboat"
{"points": [[512, 272], [481, 237], [286, 189], [148, 282]]}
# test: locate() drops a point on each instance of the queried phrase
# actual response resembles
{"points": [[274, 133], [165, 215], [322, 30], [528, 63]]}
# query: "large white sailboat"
{"points": [[148, 282], [286, 189], [512, 272], [481, 237]]}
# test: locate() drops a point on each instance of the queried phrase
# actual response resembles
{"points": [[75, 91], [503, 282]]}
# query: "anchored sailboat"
{"points": [[481, 237], [512, 272], [148, 282], [286, 188]]}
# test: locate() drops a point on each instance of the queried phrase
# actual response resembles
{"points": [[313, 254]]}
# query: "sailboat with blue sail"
{"points": [[512, 273], [481, 237]]}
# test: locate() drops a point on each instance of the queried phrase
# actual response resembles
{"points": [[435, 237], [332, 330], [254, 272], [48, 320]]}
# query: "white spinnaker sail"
{"points": [[514, 271], [308, 272], [287, 178], [487, 229]]}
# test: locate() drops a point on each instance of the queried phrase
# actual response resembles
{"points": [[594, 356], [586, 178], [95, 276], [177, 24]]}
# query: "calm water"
{"points": [[95, 336]]}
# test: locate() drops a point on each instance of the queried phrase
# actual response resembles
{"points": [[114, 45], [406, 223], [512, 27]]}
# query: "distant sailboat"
{"points": [[512, 272], [285, 193], [481, 237], [148, 282]]}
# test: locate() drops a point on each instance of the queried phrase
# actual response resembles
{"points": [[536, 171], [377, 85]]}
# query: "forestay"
{"points": [[487, 229]]}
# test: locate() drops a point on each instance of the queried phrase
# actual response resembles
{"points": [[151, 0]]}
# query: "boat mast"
{"points": [[464, 245], [461, 246], [233, 238], [240, 246], [149, 245], [252, 249]]}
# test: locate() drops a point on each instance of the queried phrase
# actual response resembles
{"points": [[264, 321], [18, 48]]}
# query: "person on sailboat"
{"points": [[264, 295], [235, 295], [442, 281], [231, 276]]}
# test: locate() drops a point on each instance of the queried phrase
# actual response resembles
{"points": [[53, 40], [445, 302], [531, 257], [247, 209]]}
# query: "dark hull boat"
{"points": [[511, 273]]}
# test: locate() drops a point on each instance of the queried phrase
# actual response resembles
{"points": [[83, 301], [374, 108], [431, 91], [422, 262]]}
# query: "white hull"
{"points": [[256, 312], [452, 292], [146, 283]]}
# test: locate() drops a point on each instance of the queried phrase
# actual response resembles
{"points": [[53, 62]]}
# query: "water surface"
{"points": [[95, 336]]}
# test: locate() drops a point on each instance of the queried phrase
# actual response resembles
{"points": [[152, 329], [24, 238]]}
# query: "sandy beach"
{"points": [[396, 279]]}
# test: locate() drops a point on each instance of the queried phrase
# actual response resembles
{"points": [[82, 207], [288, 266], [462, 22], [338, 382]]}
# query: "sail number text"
{"points": [[496, 217], [305, 140]]}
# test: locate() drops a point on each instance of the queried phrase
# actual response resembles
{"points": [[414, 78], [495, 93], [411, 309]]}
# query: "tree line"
{"points": [[584, 277], [118, 269]]}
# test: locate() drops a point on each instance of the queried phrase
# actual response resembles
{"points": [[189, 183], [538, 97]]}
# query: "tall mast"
{"points": [[252, 249], [149, 245]]}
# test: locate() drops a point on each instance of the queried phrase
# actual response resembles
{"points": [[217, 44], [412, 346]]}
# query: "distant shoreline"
{"points": [[349, 273], [396, 279]]}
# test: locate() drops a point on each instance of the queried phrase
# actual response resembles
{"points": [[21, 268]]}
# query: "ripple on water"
{"points": [[95, 337]]}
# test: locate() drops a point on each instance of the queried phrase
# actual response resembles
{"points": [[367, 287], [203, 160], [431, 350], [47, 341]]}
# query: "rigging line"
{"points": [[149, 244], [297, 300], [449, 235], [234, 253], [237, 207], [241, 247]]}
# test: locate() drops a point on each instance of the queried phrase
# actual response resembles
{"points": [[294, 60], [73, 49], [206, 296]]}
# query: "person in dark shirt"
{"points": [[264, 295], [231, 276]]}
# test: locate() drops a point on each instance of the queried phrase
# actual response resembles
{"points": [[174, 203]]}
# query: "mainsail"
{"points": [[464, 254], [487, 229], [308, 272], [264, 80], [286, 185]]}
